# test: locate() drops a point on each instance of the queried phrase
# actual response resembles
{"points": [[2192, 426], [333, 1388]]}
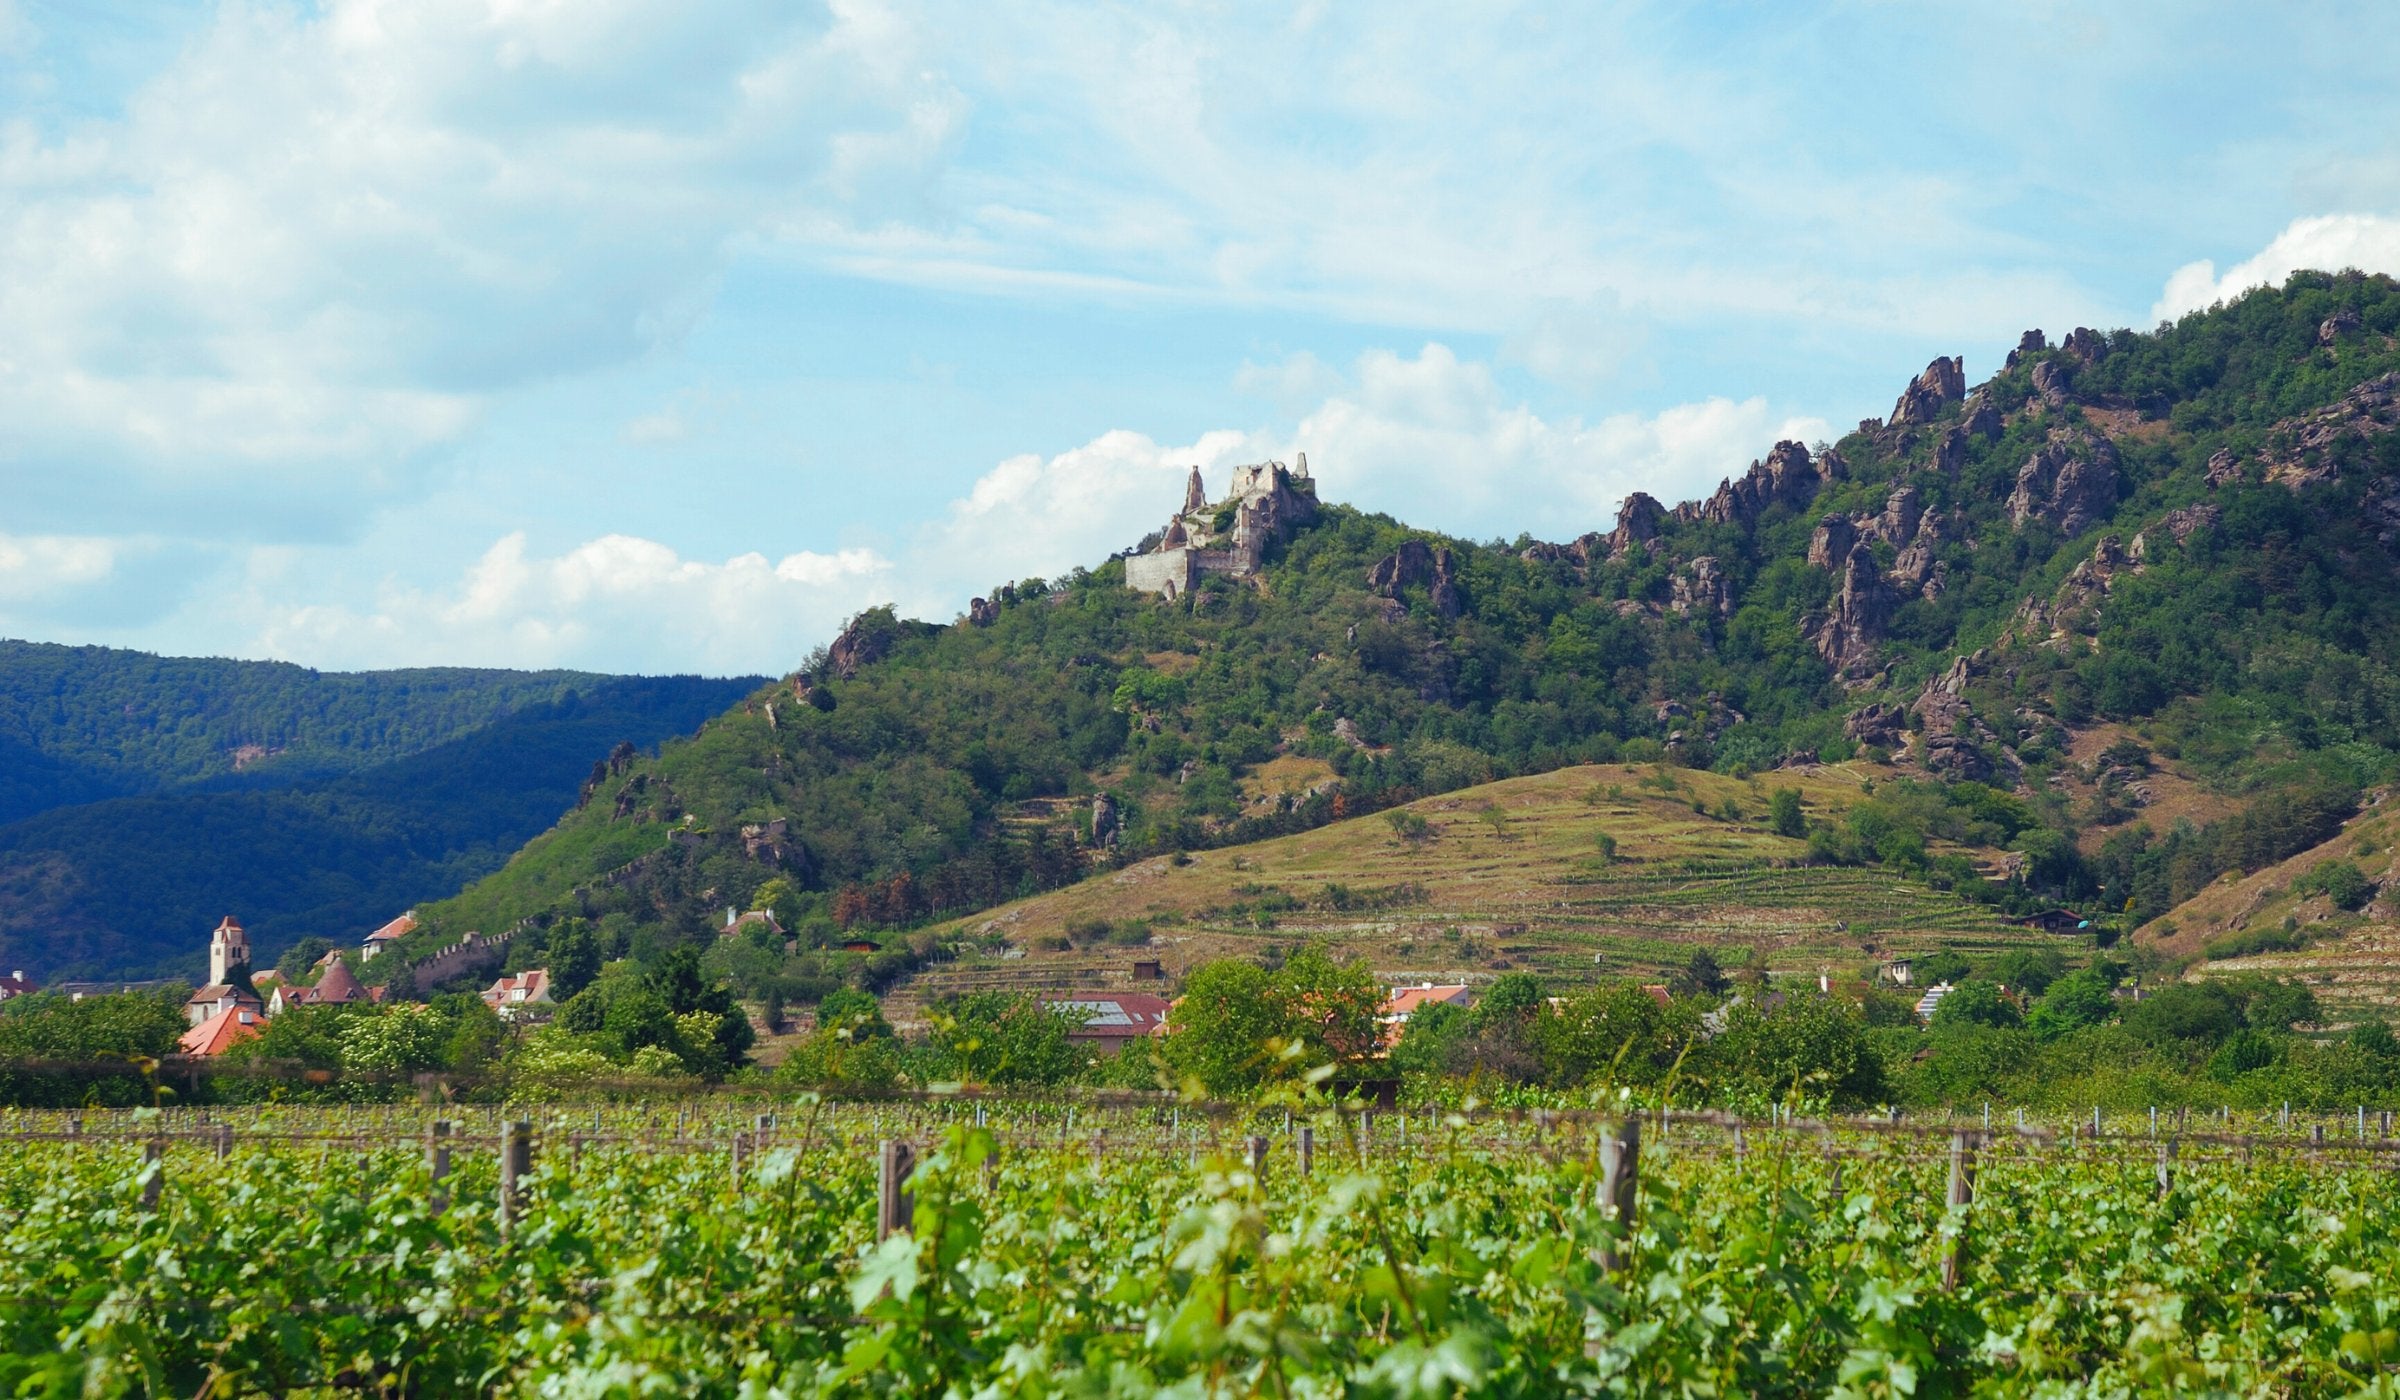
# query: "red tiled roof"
{"points": [[221, 1032], [16, 984], [1113, 1015], [520, 989], [401, 927], [1407, 1001], [337, 987], [218, 991]]}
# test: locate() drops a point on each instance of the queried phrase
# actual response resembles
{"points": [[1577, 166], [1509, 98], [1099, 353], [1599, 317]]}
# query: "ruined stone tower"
{"points": [[1269, 500]]}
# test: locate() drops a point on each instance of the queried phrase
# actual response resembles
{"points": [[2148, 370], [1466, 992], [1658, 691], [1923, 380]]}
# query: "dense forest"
{"points": [[2188, 533], [393, 806]]}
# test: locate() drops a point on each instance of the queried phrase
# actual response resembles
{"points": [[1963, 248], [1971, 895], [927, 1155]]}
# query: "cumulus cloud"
{"points": [[617, 602], [300, 262], [2325, 243], [34, 566], [1435, 440]]}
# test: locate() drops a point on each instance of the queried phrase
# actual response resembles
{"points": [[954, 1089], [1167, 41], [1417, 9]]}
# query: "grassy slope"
{"points": [[1530, 893], [2351, 961]]}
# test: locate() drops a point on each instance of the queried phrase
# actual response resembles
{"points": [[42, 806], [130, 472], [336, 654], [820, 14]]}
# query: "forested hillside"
{"points": [[82, 723], [2188, 535], [388, 808]]}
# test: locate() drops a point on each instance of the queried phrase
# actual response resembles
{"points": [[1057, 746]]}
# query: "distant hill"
{"points": [[2126, 572], [78, 724], [382, 789]]}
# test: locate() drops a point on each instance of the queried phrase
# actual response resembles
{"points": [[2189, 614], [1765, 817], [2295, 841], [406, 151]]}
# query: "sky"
{"points": [[662, 336]]}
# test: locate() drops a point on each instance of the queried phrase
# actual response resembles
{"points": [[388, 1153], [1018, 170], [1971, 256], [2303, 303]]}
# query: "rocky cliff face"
{"points": [[2071, 481], [1786, 477], [1416, 564], [1701, 586], [1638, 523], [1943, 383]]}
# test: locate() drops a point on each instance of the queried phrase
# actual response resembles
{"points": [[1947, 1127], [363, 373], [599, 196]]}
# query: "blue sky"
{"points": [[662, 336]]}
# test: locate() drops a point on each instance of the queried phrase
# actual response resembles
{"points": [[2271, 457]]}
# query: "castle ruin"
{"points": [[1229, 538]]}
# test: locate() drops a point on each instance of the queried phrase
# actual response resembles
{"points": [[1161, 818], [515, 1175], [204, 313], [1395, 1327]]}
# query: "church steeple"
{"points": [[1195, 495], [228, 955]]}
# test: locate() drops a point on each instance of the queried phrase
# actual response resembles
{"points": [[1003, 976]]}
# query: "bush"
{"points": [[2340, 881]]}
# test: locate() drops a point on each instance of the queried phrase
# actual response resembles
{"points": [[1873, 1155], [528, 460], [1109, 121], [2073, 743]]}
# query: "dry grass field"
{"points": [[1505, 876]]}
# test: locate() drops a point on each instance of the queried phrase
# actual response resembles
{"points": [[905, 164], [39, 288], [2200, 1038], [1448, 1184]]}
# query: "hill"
{"points": [[2134, 588], [333, 839], [78, 724], [1504, 876]]}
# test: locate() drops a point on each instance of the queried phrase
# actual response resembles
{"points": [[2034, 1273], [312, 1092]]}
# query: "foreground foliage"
{"points": [[1428, 1259]]}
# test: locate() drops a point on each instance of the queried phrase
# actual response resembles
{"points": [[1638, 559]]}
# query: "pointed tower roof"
{"points": [[337, 986], [1195, 495]]}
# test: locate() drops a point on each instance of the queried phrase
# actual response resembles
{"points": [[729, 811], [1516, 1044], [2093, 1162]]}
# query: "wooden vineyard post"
{"points": [[516, 1163], [741, 1150], [895, 1203], [1962, 1195], [154, 1173], [437, 1163], [1620, 1187], [2166, 1169], [1258, 1159], [224, 1141], [1308, 1151]]}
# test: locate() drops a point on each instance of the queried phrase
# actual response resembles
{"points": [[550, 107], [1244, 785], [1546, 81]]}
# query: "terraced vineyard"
{"points": [[1513, 874]]}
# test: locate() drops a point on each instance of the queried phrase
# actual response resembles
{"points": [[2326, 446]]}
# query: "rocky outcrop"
{"points": [[1416, 564], [1701, 586], [1943, 383], [1916, 570], [1830, 546], [983, 612], [862, 643], [2341, 323], [2179, 524], [2053, 382], [1638, 522], [2086, 344], [1848, 634], [1579, 553], [1901, 512], [1983, 418], [2305, 451], [1953, 739], [2223, 467], [2071, 481], [1884, 726], [1786, 477], [1105, 820], [2029, 344]]}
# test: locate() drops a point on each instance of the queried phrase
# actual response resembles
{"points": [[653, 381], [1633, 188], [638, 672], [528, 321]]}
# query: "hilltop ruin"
{"points": [[1228, 538]]}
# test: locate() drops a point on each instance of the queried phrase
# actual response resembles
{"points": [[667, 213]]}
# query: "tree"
{"points": [[2185, 1012], [574, 957], [301, 956], [1701, 977], [1977, 1003], [1219, 1031], [1431, 1036], [2079, 999], [1784, 814], [1006, 1038], [403, 1039], [1332, 1010], [1811, 1044]]}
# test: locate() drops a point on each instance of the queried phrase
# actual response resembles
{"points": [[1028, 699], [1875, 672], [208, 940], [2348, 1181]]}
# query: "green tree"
{"points": [[574, 957], [1219, 1032], [301, 956], [1008, 1039], [1976, 1003], [1812, 1044], [1784, 814], [2079, 999], [404, 1039]]}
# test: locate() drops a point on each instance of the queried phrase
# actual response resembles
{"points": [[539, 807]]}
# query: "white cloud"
{"points": [[32, 566], [617, 602], [2324, 243], [1435, 441], [296, 267]]}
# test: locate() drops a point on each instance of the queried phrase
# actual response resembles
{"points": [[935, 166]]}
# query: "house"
{"points": [[1112, 1018], [16, 984], [335, 986], [1405, 1002], [1149, 970], [1658, 992], [517, 996], [389, 934], [861, 945], [1899, 972], [2054, 921], [223, 1031], [756, 918], [217, 998]]}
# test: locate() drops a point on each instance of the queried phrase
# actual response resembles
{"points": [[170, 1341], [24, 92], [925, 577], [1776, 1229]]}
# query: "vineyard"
{"points": [[754, 1247]]}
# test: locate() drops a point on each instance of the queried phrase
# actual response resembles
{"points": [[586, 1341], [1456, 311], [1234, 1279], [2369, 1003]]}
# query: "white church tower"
{"points": [[228, 954]]}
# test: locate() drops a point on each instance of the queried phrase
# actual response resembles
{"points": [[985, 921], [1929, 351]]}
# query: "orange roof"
{"points": [[1407, 1001], [221, 1032], [401, 927], [337, 987]]}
